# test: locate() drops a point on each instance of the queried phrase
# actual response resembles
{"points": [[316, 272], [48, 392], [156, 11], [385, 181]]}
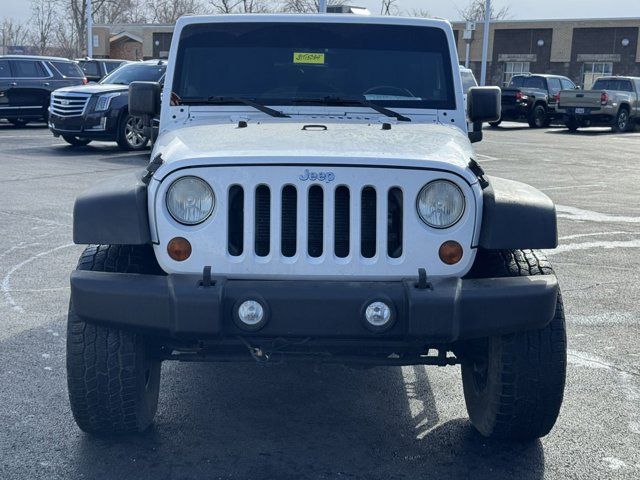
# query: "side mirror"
{"points": [[484, 104], [144, 99]]}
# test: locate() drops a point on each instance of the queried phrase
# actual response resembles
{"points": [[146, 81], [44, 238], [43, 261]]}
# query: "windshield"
{"points": [[135, 72], [286, 63]]}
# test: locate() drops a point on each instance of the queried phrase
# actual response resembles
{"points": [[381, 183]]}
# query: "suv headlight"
{"points": [[440, 204], [103, 102], [190, 200]]}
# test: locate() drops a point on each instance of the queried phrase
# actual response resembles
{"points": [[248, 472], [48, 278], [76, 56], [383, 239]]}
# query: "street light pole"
{"points": [[322, 6], [89, 29], [485, 41]]}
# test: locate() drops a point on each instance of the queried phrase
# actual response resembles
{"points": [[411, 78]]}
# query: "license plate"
{"points": [[579, 111]]}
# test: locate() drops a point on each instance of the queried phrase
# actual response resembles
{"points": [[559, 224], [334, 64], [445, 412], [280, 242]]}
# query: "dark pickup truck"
{"points": [[533, 99]]}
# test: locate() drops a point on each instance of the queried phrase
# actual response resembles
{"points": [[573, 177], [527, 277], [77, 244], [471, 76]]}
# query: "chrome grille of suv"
{"points": [[69, 104]]}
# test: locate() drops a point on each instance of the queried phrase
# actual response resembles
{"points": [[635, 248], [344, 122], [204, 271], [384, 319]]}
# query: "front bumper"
{"points": [[96, 126], [178, 306]]}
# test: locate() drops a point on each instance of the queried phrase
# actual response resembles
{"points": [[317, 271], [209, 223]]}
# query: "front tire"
{"points": [[112, 375], [76, 141], [131, 133], [514, 384]]}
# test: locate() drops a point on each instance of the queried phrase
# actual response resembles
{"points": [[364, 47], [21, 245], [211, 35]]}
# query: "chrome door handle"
{"points": [[46, 84], [13, 84]]}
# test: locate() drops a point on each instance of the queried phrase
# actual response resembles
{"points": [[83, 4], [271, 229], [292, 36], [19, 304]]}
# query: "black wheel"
{"points": [[112, 375], [495, 124], [514, 384], [622, 122], [76, 141], [538, 117], [131, 133], [18, 122], [572, 124]]}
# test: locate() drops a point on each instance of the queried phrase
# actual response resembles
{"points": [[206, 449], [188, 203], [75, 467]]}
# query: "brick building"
{"points": [[582, 50]]}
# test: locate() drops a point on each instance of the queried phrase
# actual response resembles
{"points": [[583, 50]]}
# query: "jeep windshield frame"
{"points": [[284, 64]]}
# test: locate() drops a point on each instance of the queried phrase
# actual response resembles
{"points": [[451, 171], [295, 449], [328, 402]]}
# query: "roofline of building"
{"points": [[553, 20]]}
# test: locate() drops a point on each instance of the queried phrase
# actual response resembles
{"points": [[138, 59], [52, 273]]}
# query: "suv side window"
{"points": [[625, 86], [554, 85], [90, 68], [29, 69], [5, 71], [111, 66]]}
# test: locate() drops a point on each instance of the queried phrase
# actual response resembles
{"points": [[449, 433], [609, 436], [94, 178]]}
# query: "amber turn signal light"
{"points": [[179, 249], [450, 252]]}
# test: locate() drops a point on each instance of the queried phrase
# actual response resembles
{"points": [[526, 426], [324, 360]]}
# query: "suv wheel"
{"points": [[112, 375], [538, 117], [514, 384], [76, 141], [622, 122], [131, 133]]}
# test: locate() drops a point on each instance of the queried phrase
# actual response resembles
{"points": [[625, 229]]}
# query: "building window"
{"points": [[591, 71], [514, 68]]}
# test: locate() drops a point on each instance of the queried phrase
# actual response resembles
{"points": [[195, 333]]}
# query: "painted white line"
{"points": [[595, 234], [573, 187], [571, 247], [5, 285], [573, 213], [487, 158]]}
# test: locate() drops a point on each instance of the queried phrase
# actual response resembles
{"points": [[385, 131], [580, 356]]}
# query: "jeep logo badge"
{"points": [[327, 177]]}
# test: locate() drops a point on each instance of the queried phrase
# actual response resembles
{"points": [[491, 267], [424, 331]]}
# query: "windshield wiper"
{"points": [[231, 100], [331, 100]]}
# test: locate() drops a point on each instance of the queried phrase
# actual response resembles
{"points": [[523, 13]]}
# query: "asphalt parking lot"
{"points": [[281, 422]]}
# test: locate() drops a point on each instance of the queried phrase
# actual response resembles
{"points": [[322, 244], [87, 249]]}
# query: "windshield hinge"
{"points": [[153, 166], [477, 170]]}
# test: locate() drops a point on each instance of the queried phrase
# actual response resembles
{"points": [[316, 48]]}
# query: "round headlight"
{"points": [[190, 200], [440, 204]]}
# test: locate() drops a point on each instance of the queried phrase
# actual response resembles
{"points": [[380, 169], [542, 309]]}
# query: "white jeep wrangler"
{"points": [[313, 196]]}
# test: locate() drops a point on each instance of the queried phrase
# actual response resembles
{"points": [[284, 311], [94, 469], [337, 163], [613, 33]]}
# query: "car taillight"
{"points": [[519, 95], [557, 97], [604, 98], [84, 80]]}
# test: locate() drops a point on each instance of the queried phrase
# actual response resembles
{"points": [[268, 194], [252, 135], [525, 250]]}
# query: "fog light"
{"points": [[378, 315], [251, 314], [450, 252], [179, 249]]}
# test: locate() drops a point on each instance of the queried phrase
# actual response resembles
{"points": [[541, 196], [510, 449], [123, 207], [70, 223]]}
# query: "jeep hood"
{"points": [[404, 145]]}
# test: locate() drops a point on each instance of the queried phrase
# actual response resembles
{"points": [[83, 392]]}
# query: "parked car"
{"points": [[611, 101], [309, 204], [533, 98], [100, 111], [26, 83], [95, 69]]}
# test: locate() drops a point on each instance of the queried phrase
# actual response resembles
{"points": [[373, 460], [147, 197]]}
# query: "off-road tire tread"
{"points": [[101, 361], [532, 366]]}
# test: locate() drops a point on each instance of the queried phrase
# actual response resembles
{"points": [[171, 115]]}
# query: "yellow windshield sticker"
{"points": [[307, 57]]}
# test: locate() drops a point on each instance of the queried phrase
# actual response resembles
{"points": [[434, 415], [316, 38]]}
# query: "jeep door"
{"points": [[31, 90], [8, 107]]}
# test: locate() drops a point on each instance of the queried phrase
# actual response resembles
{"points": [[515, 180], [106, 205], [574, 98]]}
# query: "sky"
{"points": [[519, 9]]}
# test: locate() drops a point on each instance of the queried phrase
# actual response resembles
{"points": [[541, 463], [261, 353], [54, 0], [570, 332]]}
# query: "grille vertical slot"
{"points": [[395, 211], [342, 218], [368, 206], [262, 220], [315, 220], [288, 233], [235, 227]]}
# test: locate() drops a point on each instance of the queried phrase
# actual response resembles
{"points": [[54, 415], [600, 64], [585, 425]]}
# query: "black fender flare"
{"points": [[113, 212], [515, 216]]}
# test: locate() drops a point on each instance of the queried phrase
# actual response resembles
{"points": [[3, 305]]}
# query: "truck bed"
{"points": [[580, 98]]}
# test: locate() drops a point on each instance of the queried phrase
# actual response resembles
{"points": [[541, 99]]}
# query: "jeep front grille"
{"points": [[317, 201], [68, 104]]}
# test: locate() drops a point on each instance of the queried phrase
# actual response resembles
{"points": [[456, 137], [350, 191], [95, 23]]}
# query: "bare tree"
{"points": [[241, 6], [306, 6], [419, 12], [474, 12], [168, 11], [14, 34], [43, 19], [389, 7]]}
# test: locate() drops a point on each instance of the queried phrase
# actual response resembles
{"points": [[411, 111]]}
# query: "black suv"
{"points": [[96, 69], [533, 98], [100, 111], [26, 82]]}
